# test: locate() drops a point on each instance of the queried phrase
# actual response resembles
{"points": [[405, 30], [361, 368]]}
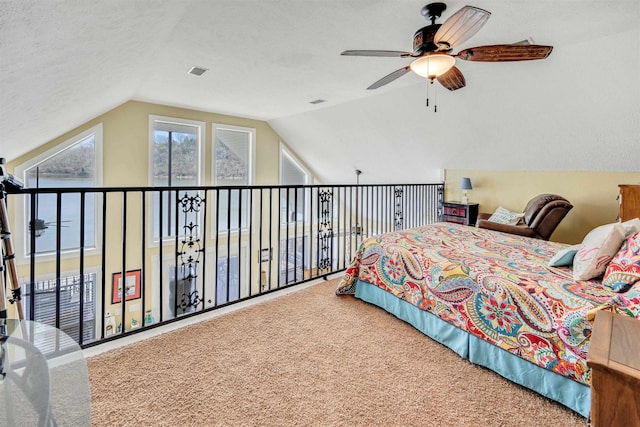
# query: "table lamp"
{"points": [[465, 184]]}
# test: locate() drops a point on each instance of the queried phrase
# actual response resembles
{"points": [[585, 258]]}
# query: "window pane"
{"points": [[175, 156], [175, 164], [184, 159], [232, 157], [180, 294], [291, 173], [161, 158], [293, 259], [45, 307], [230, 267], [232, 154], [292, 207], [169, 213], [72, 167], [232, 198]]}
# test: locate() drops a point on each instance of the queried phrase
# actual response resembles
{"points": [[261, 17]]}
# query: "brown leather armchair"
{"points": [[542, 215]]}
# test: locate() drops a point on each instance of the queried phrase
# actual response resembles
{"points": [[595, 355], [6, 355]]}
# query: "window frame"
{"points": [[201, 127], [252, 150], [285, 152], [21, 209], [95, 271], [251, 171], [242, 253]]}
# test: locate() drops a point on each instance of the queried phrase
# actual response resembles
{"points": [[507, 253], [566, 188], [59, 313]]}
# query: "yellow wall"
{"points": [[125, 153], [593, 194], [126, 143]]}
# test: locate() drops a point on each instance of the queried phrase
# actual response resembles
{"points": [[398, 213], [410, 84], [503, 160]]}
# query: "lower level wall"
{"points": [[593, 194]]}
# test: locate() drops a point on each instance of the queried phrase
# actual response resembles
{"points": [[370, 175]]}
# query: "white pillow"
{"points": [[631, 227], [504, 216], [597, 250]]}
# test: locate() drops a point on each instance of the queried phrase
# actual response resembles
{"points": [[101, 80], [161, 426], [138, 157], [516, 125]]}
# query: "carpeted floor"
{"points": [[307, 358]]}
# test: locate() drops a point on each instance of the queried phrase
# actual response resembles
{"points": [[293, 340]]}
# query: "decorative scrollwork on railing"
{"points": [[398, 218], [190, 203], [325, 228], [190, 297], [189, 251]]}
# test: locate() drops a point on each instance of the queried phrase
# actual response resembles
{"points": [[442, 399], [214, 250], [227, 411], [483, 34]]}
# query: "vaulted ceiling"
{"points": [[63, 63]]}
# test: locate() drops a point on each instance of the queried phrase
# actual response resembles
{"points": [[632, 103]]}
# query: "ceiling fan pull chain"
{"points": [[435, 98], [427, 94]]}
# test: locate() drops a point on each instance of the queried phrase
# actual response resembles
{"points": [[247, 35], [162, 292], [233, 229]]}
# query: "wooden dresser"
{"points": [[629, 202], [614, 359]]}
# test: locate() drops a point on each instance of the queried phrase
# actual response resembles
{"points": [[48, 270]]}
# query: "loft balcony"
{"points": [[102, 264]]}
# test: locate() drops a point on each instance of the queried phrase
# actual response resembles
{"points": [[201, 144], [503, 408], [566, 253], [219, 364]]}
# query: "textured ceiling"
{"points": [[65, 62]]}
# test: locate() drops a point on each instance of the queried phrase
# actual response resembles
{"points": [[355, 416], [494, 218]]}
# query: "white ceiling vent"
{"points": [[197, 71]]}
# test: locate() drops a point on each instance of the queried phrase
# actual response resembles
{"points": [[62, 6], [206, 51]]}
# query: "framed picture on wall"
{"points": [[132, 286]]}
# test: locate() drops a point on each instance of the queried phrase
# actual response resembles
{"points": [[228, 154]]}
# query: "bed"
{"points": [[493, 299]]}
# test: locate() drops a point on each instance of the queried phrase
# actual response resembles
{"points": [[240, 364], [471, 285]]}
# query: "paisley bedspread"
{"points": [[493, 285]]}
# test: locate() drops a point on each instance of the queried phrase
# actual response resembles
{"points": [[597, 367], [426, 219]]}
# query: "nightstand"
{"points": [[614, 359], [460, 213]]}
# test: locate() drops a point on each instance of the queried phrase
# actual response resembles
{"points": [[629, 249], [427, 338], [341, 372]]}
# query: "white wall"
{"points": [[577, 110]]}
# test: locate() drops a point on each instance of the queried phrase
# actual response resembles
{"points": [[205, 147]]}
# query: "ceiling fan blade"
{"points": [[390, 77], [460, 27], [452, 79], [391, 53], [505, 52]]}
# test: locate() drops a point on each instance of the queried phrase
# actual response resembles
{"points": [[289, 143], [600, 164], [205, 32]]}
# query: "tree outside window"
{"points": [[72, 166], [176, 163]]}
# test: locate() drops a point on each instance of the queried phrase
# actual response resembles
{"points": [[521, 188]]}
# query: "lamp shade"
{"points": [[465, 184], [432, 65]]}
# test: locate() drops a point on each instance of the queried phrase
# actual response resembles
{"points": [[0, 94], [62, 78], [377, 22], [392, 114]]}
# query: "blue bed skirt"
{"points": [[564, 390]]}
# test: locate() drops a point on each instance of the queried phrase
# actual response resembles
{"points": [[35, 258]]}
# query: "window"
{"points": [[45, 295], [232, 273], [176, 162], [294, 259], [292, 200], [227, 291], [74, 163], [182, 293], [233, 152]]}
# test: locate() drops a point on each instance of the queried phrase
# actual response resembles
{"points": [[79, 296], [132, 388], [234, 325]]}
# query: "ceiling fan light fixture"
{"points": [[433, 65]]}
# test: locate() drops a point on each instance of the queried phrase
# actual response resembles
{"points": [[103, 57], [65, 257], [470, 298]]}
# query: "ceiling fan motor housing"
{"points": [[423, 39]]}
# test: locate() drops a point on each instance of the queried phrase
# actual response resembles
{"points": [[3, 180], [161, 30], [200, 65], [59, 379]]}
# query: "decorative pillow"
{"points": [[504, 216], [632, 226], [564, 257], [624, 269], [597, 249]]}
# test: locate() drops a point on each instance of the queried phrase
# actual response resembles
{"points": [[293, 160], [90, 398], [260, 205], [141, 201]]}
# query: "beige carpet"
{"points": [[308, 358]]}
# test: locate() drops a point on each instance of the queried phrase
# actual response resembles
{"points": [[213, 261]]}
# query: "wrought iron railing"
{"points": [[103, 263]]}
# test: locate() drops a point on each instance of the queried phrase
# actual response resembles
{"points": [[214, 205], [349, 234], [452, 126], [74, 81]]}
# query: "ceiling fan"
{"points": [[432, 46]]}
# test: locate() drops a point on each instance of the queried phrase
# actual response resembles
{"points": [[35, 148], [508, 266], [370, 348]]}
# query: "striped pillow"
{"points": [[504, 216]]}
